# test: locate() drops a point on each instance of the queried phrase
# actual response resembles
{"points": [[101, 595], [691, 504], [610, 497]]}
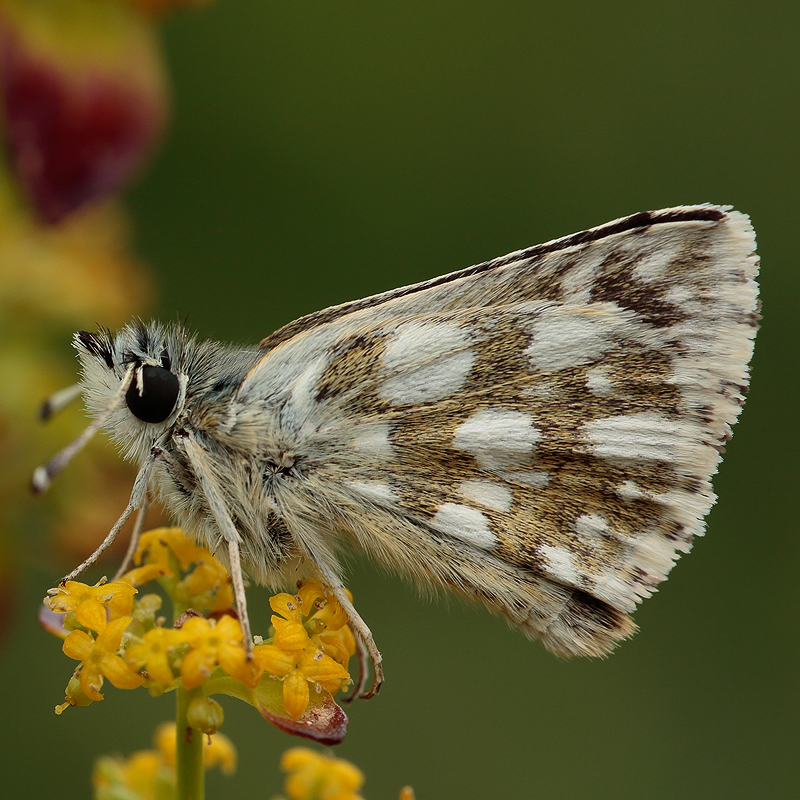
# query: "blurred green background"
{"points": [[323, 151]]}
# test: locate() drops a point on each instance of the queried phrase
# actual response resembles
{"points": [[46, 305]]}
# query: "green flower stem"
{"points": [[190, 775], [189, 753]]}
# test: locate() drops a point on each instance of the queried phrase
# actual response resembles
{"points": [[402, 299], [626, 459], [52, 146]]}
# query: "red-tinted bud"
{"points": [[84, 97]]}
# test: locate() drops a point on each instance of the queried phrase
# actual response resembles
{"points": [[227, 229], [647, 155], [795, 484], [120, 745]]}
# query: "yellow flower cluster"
{"points": [[170, 553], [320, 776], [117, 636], [150, 774], [311, 645]]}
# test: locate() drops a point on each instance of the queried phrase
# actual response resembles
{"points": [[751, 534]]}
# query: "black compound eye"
{"points": [[158, 397]]}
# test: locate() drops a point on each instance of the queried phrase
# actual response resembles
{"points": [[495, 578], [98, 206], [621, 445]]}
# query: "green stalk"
{"points": [[190, 775]]}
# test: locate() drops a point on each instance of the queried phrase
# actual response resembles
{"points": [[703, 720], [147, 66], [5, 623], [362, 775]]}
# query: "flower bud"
{"points": [[205, 714], [74, 695]]}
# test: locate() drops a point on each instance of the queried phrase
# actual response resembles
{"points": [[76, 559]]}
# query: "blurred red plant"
{"points": [[84, 96]]}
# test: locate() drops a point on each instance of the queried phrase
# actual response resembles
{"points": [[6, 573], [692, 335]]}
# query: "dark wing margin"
{"points": [[641, 220]]}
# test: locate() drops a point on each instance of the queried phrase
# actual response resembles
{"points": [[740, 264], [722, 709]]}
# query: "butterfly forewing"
{"points": [[537, 432]]}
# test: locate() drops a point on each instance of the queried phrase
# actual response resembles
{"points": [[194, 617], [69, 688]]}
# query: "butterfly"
{"points": [[537, 432]]}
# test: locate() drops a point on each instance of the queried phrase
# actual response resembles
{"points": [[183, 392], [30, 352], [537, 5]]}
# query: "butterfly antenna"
{"points": [[43, 476], [58, 400]]}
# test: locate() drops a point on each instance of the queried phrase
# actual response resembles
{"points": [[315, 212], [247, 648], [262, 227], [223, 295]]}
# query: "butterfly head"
{"points": [[147, 363]]}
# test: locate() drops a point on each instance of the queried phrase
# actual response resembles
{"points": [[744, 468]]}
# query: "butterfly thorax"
{"points": [[243, 459]]}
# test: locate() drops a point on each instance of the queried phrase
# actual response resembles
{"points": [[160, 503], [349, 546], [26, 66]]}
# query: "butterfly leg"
{"points": [[360, 630], [197, 458], [239, 595], [363, 670], [138, 496], [134, 542]]}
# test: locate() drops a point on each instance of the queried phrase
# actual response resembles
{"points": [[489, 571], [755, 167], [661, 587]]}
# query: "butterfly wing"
{"points": [[538, 432]]}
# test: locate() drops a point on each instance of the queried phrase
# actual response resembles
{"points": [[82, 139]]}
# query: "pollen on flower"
{"points": [[92, 605], [311, 644], [327, 612]]}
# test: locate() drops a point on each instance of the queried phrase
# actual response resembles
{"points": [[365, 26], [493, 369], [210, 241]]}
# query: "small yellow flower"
{"points": [[339, 645], [311, 644], [140, 769], [328, 611], [99, 658], [290, 634], [326, 621], [136, 776], [144, 574], [210, 643], [156, 546], [153, 653], [209, 585], [310, 616], [89, 603], [316, 776], [298, 669]]}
